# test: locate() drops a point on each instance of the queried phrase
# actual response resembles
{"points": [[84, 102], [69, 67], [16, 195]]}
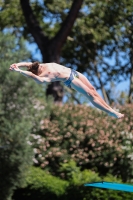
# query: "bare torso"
{"points": [[54, 72]]}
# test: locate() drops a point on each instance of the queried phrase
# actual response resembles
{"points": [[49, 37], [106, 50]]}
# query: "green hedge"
{"points": [[41, 185], [88, 136]]}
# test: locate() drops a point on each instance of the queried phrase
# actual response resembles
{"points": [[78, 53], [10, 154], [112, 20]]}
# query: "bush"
{"points": [[88, 136], [78, 178], [41, 185]]}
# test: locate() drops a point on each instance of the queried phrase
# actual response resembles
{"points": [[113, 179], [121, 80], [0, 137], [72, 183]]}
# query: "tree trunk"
{"points": [[54, 89], [51, 48]]}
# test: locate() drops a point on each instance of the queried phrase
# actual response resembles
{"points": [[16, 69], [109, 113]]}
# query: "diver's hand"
{"points": [[14, 67]]}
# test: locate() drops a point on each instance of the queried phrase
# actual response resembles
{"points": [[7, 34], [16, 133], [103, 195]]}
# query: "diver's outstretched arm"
{"points": [[22, 64], [29, 74]]}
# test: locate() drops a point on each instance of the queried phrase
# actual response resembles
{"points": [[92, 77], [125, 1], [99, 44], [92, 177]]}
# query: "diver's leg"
{"points": [[89, 85], [94, 97]]}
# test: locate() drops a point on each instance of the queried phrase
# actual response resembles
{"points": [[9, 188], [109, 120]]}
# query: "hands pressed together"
{"points": [[14, 67]]}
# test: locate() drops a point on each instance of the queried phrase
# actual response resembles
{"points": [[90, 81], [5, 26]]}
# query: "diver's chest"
{"points": [[50, 73]]}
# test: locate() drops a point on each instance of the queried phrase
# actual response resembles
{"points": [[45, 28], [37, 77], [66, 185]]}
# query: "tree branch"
{"points": [[67, 25], [33, 25]]}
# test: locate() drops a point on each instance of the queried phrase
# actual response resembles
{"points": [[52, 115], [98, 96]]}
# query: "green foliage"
{"points": [[78, 178], [41, 185], [11, 14], [42, 179], [101, 41], [70, 171], [18, 116], [86, 135], [49, 14]]}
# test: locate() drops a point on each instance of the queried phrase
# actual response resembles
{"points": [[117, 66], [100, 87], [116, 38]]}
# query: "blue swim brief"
{"points": [[72, 75]]}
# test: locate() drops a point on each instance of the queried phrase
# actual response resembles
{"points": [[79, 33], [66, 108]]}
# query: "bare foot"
{"points": [[116, 115]]}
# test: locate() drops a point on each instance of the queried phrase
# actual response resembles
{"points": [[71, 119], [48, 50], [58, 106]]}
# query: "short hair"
{"points": [[34, 67]]}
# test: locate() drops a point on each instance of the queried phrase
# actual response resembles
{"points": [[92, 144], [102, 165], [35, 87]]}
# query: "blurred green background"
{"points": [[52, 140]]}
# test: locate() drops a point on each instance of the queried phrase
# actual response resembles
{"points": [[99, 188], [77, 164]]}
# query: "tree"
{"points": [[104, 44], [50, 47], [17, 117], [118, 18], [98, 36], [54, 44]]}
